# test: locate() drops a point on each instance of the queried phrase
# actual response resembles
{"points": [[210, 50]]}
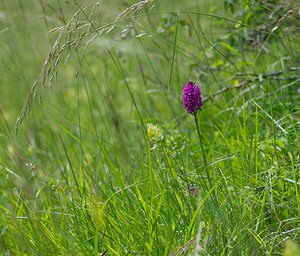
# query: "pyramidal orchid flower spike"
{"points": [[192, 102], [192, 99]]}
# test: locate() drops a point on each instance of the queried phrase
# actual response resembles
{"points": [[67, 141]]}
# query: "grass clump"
{"points": [[106, 161]]}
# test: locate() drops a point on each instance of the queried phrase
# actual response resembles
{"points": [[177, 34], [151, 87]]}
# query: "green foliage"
{"points": [[260, 21]]}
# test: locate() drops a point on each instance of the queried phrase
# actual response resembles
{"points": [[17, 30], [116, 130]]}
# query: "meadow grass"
{"points": [[106, 161]]}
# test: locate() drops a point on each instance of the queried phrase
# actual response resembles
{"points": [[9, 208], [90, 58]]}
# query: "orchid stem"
{"points": [[202, 149]]}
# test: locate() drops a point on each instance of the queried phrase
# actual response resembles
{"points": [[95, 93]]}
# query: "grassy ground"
{"points": [[87, 175]]}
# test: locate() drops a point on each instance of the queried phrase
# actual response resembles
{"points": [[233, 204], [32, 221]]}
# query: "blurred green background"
{"points": [[100, 71]]}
